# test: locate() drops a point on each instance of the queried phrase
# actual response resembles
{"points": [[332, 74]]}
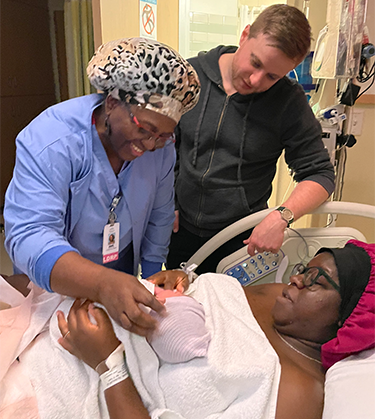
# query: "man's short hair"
{"points": [[287, 27]]}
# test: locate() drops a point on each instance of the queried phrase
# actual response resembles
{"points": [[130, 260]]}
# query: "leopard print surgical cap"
{"points": [[145, 72]]}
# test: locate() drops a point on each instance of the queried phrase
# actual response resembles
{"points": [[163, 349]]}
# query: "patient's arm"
{"points": [[300, 393], [93, 344], [171, 279], [123, 401]]}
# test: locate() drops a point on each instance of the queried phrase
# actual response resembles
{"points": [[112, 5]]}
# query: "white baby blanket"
{"points": [[238, 379]]}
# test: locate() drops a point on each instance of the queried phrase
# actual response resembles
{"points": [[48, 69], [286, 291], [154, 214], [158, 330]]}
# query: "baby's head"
{"points": [[181, 334], [162, 294]]}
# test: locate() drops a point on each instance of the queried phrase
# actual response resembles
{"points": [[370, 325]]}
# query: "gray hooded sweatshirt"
{"points": [[228, 147]]}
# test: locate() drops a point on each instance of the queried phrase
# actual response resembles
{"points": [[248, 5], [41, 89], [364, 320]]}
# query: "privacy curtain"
{"points": [[79, 38]]}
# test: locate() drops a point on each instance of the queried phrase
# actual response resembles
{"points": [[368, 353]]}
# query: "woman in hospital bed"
{"points": [[261, 363]]}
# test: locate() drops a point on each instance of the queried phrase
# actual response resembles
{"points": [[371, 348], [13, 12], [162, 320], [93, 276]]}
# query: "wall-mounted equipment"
{"points": [[339, 44]]}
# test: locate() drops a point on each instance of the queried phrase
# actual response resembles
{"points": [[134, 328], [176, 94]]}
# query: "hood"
{"points": [[210, 62]]}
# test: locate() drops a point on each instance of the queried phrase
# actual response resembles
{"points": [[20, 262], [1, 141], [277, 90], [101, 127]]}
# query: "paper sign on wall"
{"points": [[147, 15]]}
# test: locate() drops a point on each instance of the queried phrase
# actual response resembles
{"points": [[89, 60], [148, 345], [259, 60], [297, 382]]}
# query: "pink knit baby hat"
{"points": [[181, 334]]}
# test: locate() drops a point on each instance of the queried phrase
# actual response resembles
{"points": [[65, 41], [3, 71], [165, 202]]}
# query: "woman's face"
{"points": [[310, 314], [125, 140]]}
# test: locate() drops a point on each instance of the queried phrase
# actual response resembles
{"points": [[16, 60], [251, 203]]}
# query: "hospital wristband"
{"points": [[113, 369], [189, 270], [114, 376]]}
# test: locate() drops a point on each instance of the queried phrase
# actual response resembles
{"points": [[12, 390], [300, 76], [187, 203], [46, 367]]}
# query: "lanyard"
{"points": [[115, 201], [111, 233]]}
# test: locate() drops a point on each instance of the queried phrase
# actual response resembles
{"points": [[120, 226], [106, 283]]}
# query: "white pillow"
{"points": [[350, 388]]}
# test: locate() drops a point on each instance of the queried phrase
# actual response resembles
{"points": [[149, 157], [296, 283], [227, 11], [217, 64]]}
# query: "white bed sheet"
{"points": [[350, 388]]}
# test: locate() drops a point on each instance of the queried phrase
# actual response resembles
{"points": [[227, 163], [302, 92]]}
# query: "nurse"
{"points": [[91, 197]]}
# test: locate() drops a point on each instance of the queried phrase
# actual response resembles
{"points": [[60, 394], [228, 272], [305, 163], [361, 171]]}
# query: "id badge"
{"points": [[111, 239]]}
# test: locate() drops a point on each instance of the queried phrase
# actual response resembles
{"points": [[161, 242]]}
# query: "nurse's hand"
{"points": [[121, 295], [171, 279], [268, 235], [92, 343]]}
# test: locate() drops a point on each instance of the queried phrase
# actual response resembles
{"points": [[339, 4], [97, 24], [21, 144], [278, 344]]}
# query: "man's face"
{"points": [[257, 65]]}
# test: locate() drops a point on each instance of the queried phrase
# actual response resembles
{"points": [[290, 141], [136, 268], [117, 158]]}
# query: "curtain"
{"points": [[79, 39]]}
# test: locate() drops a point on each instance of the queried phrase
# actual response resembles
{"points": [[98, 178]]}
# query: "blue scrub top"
{"points": [[62, 189]]}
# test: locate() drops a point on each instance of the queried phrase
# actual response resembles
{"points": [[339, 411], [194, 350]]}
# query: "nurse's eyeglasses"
{"points": [[312, 275], [160, 140]]}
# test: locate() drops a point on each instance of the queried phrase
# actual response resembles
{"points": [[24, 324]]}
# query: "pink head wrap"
{"points": [[181, 334], [358, 331]]}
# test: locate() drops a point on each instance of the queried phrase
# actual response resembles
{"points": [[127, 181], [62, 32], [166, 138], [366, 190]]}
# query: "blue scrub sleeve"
{"points": [[46, 262], [150, 268]]}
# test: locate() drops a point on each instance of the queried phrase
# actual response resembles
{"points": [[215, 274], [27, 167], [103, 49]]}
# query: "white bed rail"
{"points": [[335, 207]]}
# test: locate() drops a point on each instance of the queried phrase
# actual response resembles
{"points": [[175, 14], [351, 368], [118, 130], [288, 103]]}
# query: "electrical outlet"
{"points": [[357, 122]]}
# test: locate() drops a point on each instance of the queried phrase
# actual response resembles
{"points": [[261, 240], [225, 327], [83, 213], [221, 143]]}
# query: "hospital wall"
{"points": [[359, 176], [120, 19], [114, 19], [359, 181]]}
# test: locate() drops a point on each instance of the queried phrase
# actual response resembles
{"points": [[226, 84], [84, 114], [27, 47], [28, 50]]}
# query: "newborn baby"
{"points": [[181, 334]]}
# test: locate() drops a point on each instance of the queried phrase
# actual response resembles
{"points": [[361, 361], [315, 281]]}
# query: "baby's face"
{"points": [[162, 294]]}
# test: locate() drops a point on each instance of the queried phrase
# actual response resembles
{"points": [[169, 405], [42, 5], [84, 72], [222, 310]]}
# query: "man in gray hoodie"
{"points": [[249, 112]]}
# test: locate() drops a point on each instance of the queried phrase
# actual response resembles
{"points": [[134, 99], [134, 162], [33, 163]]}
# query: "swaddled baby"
{"points": [[181, 334]]}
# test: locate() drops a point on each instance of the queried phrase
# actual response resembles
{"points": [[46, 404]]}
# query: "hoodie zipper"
{"points": [[199, 215]]}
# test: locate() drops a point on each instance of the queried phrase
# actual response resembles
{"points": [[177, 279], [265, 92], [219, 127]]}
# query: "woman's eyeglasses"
{"points": [[160, 140], [311, 275]]}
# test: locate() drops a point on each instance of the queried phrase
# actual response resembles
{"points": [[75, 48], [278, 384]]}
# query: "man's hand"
{"points": [[268, 235]]}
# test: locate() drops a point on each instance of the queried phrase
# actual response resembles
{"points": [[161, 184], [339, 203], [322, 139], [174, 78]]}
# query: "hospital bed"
{"points": [[300, 245], [349, 383]]}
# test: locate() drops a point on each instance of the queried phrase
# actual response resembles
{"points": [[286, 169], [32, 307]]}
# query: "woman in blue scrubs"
{"points": [[91, 197]]}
